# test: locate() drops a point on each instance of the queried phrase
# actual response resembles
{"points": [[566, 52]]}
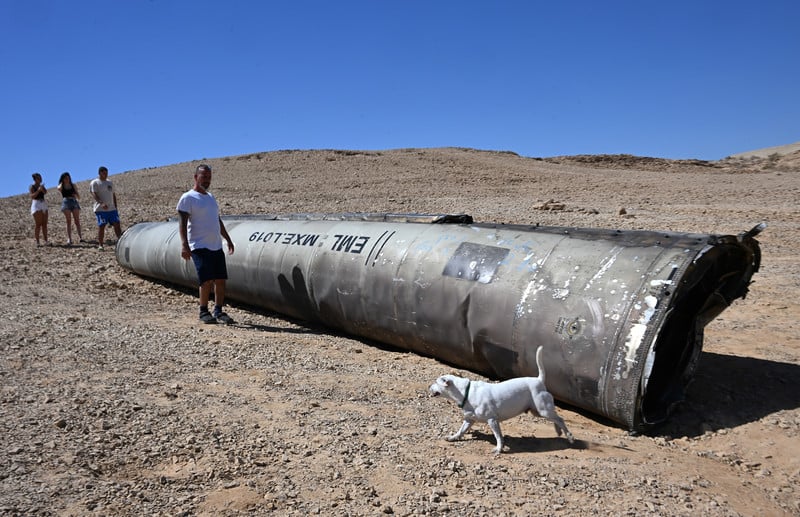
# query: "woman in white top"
{"points": [[39, 208]]}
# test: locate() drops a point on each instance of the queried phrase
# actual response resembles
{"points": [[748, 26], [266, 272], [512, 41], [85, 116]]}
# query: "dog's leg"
{"points": [[546, 408], [559, 426], [464, 428], [560, 423], [494, 425]]}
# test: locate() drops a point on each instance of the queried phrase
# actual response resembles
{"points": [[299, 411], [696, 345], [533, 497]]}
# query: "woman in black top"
{"points": [[69, 205], [38, 207]]}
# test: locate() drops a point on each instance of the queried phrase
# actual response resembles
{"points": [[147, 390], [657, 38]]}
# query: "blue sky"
{"points": [[132, 83]]}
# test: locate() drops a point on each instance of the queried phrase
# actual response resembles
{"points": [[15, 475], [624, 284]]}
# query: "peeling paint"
{"points": [[604, 267], [637, 333], [660, 283]]}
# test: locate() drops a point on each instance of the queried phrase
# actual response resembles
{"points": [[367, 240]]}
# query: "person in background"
{"points": [[39, 208], [201, 230], [69, 205], [105, 205]]}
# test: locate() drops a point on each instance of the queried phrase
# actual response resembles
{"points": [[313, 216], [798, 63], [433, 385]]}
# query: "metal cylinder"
{"points": [[620, 313]]}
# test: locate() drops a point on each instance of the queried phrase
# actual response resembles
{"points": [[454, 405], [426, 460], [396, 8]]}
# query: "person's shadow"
{"points": [[729, 391]]}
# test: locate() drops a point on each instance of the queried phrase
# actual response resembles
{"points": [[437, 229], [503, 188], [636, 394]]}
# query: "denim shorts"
{"points": [[104, 218], [69, 204], [210, 264]]}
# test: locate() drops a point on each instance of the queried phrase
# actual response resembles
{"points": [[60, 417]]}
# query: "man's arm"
{"points": [[225, 236], [183, 223]]}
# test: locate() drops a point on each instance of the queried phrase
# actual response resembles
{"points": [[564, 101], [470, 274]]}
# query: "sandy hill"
{"points": [[780, 150]]}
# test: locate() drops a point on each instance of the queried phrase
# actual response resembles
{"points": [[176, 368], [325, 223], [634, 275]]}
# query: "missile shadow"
{"points": [[729, 391]]}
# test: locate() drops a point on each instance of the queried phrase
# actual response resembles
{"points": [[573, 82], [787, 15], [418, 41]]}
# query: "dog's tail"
{"points": [[539, 364]]}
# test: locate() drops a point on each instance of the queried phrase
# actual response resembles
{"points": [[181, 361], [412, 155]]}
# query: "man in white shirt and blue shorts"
{"points": [[105, 205], [202, 231]]}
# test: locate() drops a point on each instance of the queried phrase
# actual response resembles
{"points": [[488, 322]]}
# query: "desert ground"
{"points": [[115, 400]]}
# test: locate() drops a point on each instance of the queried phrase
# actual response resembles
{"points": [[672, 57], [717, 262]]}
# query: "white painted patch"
{"points": [[598, 327], [530, 289], [563, 292], [648, 368], [636, 334]]}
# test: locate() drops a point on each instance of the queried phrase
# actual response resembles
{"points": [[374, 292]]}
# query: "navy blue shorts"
{"points": [[210, 265]]}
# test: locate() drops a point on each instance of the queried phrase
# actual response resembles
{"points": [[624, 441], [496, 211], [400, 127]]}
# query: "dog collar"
{"points": [[466, 395]]}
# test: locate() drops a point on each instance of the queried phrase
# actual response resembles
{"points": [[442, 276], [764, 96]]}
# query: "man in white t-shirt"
{"points": [[202, 231], [105, 205]]}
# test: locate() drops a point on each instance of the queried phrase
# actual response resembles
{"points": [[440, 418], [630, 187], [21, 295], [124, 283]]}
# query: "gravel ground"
{"points": [[115, 401]]}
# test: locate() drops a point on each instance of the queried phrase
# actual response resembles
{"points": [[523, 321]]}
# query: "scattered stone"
{"points": [[114, 401]]}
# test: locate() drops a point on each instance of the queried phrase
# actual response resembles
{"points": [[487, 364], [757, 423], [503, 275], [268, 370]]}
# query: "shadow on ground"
{"points": [[728, 391], [523, 444]]}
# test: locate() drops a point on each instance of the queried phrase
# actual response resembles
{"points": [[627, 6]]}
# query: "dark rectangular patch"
{"points": [[475, 262]]}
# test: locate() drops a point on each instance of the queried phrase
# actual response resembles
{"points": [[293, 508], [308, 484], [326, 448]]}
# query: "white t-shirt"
{"points": [[203, 227], [105, 191]]}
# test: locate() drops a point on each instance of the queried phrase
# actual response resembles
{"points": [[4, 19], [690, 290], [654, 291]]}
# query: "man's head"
{"points": [[102, 172], [202, 178]]}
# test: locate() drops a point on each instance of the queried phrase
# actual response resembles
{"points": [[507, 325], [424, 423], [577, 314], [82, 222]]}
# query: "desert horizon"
{"points": [[778, 150]]}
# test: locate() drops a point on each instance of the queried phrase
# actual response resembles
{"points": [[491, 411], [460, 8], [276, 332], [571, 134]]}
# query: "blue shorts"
{"points": [[210, 265], [69, 204], [104, 218]]}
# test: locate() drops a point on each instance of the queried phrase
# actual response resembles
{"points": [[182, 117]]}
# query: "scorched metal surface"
{"points": [[620, 313]]}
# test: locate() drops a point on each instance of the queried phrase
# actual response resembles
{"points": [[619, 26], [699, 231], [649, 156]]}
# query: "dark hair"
{"points": [[64, 175], [202, 167], [102, 169], [36, 175]]}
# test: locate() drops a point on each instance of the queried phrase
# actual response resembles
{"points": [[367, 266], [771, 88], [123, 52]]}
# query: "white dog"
{"points": [[495, 402]]}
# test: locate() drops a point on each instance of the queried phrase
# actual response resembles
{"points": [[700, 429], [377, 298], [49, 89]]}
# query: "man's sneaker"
{"points": [[206, 317], [224, 318]]}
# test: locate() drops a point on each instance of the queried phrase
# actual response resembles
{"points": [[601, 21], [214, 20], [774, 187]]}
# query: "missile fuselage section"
{"points": [[620, 313]]}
